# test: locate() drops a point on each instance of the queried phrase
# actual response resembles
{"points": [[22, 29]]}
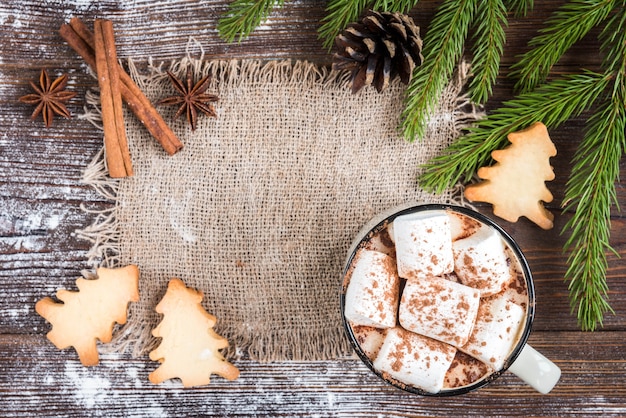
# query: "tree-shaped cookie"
{"points": [[89, 314], [515, 185], [189, 348]]}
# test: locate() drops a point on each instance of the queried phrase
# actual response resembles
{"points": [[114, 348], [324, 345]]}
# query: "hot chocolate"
{"points": [[443, 301]]}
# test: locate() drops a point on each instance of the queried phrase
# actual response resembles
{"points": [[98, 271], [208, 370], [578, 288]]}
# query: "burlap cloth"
{"points": [[259, 208]]}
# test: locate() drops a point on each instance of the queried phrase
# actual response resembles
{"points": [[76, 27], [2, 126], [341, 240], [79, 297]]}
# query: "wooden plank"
{"points": [[51, 380]]}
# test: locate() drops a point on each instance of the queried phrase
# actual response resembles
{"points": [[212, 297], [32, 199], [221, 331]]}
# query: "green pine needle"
{"points": [[341, 12], [519, 8], [613, 38], [401, 6], [590, 192], [338, 14], [244, 16], [443, 46], [552, 103], [487, 50], [570, 23]]}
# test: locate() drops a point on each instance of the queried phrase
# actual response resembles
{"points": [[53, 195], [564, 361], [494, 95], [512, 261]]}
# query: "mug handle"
{"points": [[536, 370]]}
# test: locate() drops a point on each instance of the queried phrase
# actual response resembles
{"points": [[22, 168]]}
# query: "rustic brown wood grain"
{"points": [[40, 209], [39, 380]]}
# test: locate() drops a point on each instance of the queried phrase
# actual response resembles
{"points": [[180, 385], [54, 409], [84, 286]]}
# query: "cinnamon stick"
{"points": [[81, 40], [115, 141]]}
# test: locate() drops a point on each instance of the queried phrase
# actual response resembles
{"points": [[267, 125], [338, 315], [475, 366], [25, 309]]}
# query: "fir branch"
{"points": [[443, 46], [338, 14], [487, 50], [570, 23], [613, 38], [552, 103], [590, 192], [244, 16]]}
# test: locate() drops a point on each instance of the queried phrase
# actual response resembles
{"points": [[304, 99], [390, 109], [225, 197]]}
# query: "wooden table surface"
{"points": [[40, 209]]}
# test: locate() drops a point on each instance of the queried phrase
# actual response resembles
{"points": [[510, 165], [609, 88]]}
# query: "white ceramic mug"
{"points": [[523, 360]]}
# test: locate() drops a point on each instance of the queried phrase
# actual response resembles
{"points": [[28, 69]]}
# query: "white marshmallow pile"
{"points": [[445, 290]]}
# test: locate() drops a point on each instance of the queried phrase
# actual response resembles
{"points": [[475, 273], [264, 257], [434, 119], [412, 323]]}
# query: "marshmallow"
{"points": [[462, 226], [423, 245], [370, 339], [515, 289], [496, 331], [373, 291], [439, 309], [480, 261], [414, 359]]}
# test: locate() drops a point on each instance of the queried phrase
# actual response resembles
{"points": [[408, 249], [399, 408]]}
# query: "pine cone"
{"points": [[378, 48]]}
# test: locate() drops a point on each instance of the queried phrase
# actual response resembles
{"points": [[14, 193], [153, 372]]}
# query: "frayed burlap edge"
{"points": [[103, 233]]}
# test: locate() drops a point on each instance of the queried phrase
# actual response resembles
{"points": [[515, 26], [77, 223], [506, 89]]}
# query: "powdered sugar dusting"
{"points": [[27, 227], [18, 16], [90, 390], [15, 313], [96, 391], [119, 386]]}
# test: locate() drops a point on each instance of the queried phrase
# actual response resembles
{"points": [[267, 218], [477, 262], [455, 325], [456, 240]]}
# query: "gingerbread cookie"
{"points": [[89, 315], [515, 185], [189, 348]]}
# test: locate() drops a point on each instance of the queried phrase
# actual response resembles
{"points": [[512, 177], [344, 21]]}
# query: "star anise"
{"points": [[191, 98], [49, 97]]}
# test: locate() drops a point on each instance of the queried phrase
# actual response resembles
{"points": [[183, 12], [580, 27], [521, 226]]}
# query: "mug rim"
{"points": [[389, 217]]}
